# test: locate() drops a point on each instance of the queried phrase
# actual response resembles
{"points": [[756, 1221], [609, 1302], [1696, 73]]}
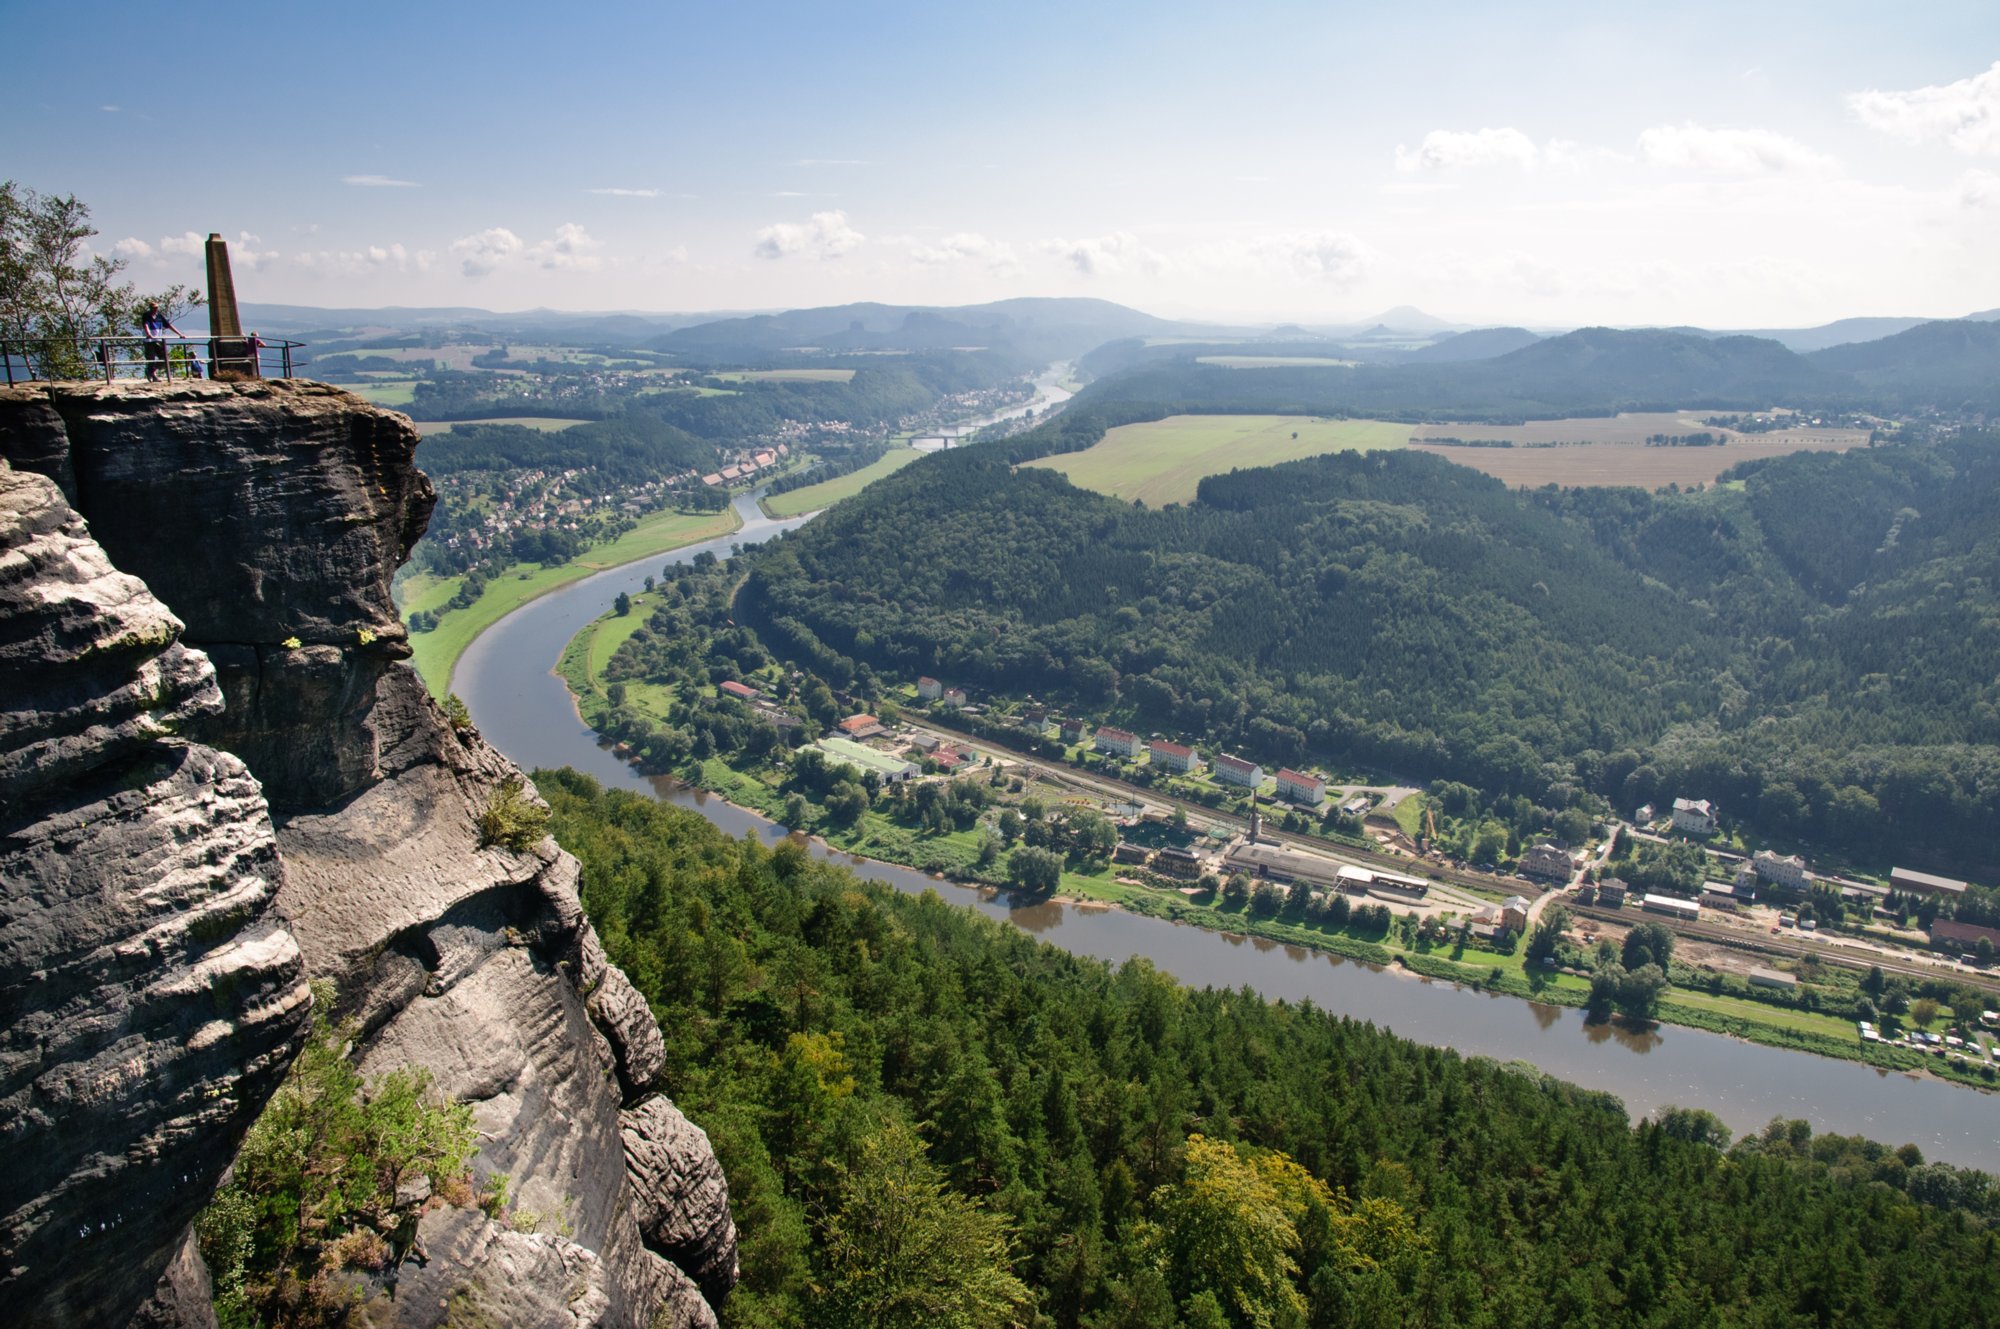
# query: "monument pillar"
{"points": [[229, 354]]}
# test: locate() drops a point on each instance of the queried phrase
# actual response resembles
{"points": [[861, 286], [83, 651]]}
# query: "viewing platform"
{"points": [[114, 358]]}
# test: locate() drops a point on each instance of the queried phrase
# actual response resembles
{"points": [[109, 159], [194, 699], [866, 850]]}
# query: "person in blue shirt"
{"points": [[153, 329]]}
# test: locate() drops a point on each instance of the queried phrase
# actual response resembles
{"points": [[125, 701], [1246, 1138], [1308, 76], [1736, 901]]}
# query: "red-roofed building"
{"points": [[1117, 742], [1236, 771], [929, 689], [742, 691], [1298, 787], [714, 478], [1172, 756], [862, 726]]}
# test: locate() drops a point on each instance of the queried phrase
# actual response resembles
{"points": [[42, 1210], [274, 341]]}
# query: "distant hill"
{"points": [[1408, 318], [1951, 364], [1483, 344], [1658, 367], [1839, 331], [1040, 329], [1590, 371]]}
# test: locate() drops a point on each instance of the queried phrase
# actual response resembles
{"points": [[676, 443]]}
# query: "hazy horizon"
{"points": [[1552, 164]]}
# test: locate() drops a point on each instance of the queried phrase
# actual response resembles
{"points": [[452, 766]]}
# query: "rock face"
{"points": [[150, 996], [270, 517]]}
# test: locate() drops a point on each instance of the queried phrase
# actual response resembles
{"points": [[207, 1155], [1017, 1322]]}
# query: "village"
{"points": [[1253, 844]]}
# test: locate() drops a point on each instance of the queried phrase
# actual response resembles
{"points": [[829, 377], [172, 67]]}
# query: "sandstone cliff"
{"points": [[270, 517]]}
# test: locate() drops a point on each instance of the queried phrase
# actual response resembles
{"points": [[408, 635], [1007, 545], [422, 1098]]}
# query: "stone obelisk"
{"points": [[228, 353]]}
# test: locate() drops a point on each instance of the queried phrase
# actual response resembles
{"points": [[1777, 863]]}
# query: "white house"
{"points": [[1695, 816], [1172, 756], [929, 689], [1788, 871]]}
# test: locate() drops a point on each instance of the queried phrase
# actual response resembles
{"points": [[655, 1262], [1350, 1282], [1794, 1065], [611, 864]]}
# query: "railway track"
{"points": [[1826, 952]]}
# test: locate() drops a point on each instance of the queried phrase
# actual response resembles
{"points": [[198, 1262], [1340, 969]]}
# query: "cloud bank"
{"points": [[825, 235], [1965, 115]]}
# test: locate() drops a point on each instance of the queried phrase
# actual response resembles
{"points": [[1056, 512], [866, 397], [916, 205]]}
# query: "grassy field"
{"points": [[1162, 461], [437, 651], [1612, 450], [828, 492], [787, 376], [384, 394], [1269, 361], [1632, 464], [547, 424]]}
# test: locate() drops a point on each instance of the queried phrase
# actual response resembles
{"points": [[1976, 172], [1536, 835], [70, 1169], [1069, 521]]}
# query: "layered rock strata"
{"points": [[271, 517], [150, 995]]}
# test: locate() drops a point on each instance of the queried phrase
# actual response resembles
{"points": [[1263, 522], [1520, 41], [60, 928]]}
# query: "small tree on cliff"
{"points": [[54, 292]]}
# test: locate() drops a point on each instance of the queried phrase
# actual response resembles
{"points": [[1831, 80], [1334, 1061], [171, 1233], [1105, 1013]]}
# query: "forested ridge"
{"points": [[1592, 371], [1812, 648], [927, 1118]]}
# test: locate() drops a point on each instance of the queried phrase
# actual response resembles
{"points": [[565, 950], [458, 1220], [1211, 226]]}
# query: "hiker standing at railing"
{"points": [[153, 329]]}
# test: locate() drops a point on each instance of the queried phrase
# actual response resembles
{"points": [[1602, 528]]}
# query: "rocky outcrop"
{"points": [[685, 1214], [270, 517], [150, 995]]}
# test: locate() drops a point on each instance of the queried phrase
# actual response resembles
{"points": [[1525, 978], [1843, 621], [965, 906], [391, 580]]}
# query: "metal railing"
{"points": [[46, 359]]}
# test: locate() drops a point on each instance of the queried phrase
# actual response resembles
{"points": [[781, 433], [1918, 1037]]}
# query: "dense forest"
{"points": [[927, 1119], [1811, 647], [629, 450]]}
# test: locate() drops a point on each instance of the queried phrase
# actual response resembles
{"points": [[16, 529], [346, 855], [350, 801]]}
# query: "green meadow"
{"points": [[1163, 460]]}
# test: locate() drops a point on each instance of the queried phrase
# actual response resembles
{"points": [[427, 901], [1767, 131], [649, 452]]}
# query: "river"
{"points": [[506, 678]]}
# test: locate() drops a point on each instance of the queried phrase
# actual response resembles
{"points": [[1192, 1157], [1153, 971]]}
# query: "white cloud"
{"points": [[1107, 255], [1979, 189], [967, 247], [829, 161], [483, 251], [243, 250], [1334, 257], [1965, 114], [569, 247], [1728, 151], [109, 109], [1447, 149], [378, 182], [787, 193], [825, 235], [625, 193], [367, 259]]}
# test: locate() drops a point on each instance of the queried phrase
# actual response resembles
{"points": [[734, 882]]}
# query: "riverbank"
{"points": [[956, 855], [437, 652], [812, 498]]}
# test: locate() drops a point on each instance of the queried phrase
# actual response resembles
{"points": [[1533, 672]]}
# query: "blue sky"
{"points": [[1737, 164]]}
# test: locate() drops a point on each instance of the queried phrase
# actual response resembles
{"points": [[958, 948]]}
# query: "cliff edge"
{"points": [[269, 518]]}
